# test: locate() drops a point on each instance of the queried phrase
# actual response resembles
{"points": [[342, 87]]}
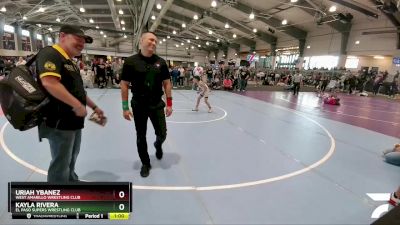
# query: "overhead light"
{"points": [[3, 9], [187, 48], [284, 22], [332, 8], [105, 36], [97, 27], [125, 36], [210, 32], [119, 0], [164, 40], [80, 9], [234, 35], [50, 29], [121, 12], [188, 41], [24, 18], [207, 43], [58, 19], [159, 6], [91, 20], [357, 42], [183, 25], [192, 47], [214, 3], [293, 1], [174, 32], [308, 46], [160, 42], [153, 17], [255, 30], [122, 22], [168, 37], [223, 55], [378, 57], [217, 39], [235, 53], [254, 52], [197, 37], [182, 43], [123, 28], [41, 9], [195, 17], [177, 45], [227, 25], [101, 32], [251, 16], [39, 25], [199, 46], [214, 56]]}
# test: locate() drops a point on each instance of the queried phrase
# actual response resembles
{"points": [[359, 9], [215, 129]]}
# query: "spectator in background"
{"points": [[1, 66], [297, 81], [181, 76], [394, 85], [377, 83], [21, 61], [352, 83], [228, 85], [117, 70], [101, 73], [244, 76], [175, 76], [8, 66]]}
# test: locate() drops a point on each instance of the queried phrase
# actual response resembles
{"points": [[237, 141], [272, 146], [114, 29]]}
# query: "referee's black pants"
{"points": [[157, 118]]}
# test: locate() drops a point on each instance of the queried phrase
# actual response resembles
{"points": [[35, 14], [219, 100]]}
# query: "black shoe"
{"points": [[145, 170], [159, 151]]}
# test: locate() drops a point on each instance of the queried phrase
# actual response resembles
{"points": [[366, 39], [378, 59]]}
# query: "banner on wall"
{"points": [[8, 41], [396, 60]]}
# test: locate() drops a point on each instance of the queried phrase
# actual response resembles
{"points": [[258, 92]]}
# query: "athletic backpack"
{"points": [[22, 98]]}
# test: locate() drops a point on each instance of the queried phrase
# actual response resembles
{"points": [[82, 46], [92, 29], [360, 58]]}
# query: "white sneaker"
{"points": [[210, 111], [393, 200]]}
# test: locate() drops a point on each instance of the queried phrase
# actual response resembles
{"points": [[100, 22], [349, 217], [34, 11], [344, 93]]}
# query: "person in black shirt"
{"points": [[101, 73], [65, 114], [244, 76], [148, 74]]}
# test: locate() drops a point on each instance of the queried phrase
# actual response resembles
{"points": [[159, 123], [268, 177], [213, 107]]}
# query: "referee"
{"points": [[148, 74]]}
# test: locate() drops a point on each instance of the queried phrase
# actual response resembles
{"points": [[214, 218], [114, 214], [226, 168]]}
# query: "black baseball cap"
{"points": [[69, 29]]}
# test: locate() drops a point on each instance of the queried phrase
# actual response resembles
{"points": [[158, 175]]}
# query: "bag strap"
{"points": [[33, 59]]}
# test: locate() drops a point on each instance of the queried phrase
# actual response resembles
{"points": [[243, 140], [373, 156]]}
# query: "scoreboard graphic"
{"points": [[91, 200]]}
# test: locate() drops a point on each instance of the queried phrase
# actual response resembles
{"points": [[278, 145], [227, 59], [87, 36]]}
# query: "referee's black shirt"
{"points": [[146, 75]]}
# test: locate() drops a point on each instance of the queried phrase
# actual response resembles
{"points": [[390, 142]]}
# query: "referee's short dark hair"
{"points": [[148, 32]]}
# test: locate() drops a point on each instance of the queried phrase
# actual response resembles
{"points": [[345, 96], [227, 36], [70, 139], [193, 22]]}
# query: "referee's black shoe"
{"points": [[145, 170], [159, 151]]}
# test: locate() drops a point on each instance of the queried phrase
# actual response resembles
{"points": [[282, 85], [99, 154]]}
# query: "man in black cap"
{"points": [[64, 117], [148, 75]]}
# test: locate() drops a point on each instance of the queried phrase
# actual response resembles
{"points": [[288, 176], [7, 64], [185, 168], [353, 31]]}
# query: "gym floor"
{"points": [[259, 158]]}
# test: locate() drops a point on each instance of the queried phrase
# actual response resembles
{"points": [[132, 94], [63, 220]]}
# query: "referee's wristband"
{"points": [[169, 101], [125, 105]]}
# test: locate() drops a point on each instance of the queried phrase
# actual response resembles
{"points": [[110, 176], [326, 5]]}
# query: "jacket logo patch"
{"points": [[69, 67], [50, 66]]}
